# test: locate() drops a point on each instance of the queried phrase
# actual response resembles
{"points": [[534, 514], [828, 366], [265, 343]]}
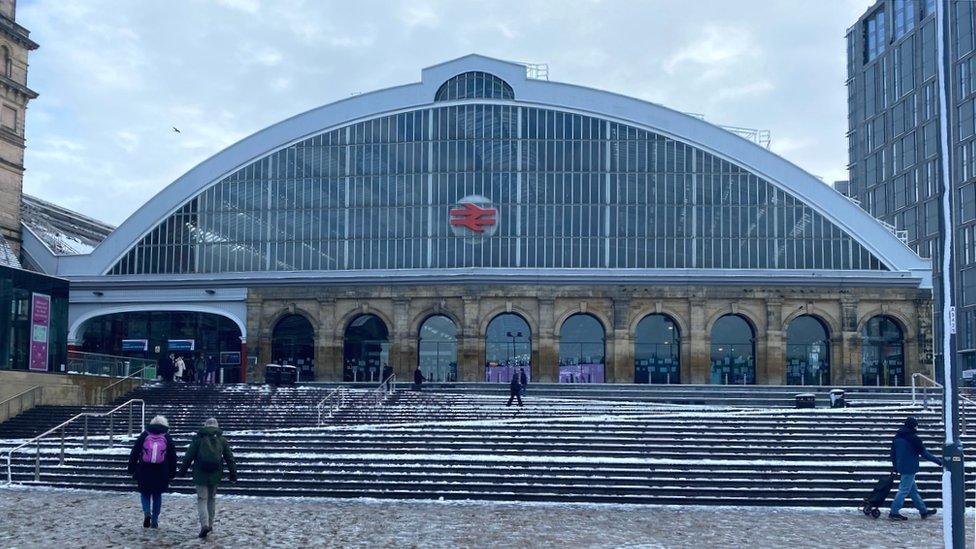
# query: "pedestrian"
{"points": [[515, 389], [211, 369], [207, 454], [152, 463], [165, 369], [524, 380], [180, 368], [418, 379], [906, 449], [200, 369]]}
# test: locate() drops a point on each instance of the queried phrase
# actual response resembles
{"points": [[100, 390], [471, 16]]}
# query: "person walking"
{"points": [[418, 379], [200, 369], [211, 369], [152, 463], [165, 369], [207, 454], [180, 368], [515, 389], [906, 449], [524, 380]]}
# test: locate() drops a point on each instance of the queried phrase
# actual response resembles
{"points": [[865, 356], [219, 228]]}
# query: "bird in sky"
{"points": [[175, 129]]}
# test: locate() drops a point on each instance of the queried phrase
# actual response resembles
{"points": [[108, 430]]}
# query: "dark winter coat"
{"points": [[906, 449], [523, 379], [516, 385], [152, 478], [211, 364], [200, 365], [418, 377], [211, 478]]}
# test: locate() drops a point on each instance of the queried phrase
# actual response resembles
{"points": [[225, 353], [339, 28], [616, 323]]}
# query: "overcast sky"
{"points": [[115, 76]]}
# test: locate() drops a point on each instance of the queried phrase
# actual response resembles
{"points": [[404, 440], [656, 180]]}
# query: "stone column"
{"points": [[403, 348], [620, 369], [471, 342], [258, 342], [773, 369], [545, 347], [848, 371], [698, 368], [328, 352]]}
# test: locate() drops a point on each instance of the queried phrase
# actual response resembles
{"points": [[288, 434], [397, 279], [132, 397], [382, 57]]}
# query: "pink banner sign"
{"points": [[40, 324]]}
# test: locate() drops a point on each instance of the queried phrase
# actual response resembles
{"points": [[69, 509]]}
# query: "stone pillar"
{"points": [[403, 348], [923, 316], [773, 369], [259, 343], [699, 367], [470, 342], [545, 348], [620, 368], [328, 353], [849, 370]]}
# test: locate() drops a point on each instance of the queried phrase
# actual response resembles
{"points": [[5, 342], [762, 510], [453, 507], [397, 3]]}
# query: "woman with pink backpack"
{"points": [[152, 463]]}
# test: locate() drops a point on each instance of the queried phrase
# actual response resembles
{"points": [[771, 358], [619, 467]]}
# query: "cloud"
{"points": [[715, 49], [247, 6], [419, 15]]}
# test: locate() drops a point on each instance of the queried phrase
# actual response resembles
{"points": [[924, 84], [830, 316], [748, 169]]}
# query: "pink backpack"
{"points": [[154, 448]]}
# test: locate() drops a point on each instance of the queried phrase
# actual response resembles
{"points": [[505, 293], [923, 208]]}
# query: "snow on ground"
{"points": [[32, 517]]}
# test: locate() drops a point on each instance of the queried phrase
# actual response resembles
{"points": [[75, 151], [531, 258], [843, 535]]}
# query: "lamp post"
{"points": [[513, 336]]}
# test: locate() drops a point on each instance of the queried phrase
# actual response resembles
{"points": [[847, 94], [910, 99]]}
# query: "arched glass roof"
{"points": [[474, 85]]}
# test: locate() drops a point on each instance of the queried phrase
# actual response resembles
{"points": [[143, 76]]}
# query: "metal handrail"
{"points": [[85, 415], [104, 390], [337, 397], [933, 382], [20, 396], [963, 398], [377, 396]]}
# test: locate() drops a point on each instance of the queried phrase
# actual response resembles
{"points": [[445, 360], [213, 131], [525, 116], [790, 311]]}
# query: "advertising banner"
{"points": [[40, 324]]}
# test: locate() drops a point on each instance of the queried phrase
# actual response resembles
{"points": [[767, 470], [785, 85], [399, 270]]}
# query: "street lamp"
{"points": [[513, 336]]}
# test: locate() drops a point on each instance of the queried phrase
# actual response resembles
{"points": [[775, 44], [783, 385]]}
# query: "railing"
{"points": [[378, 396], [331, 404], [35, 393], [109, 365], [85, 415], [113, 390], [963, 399]]}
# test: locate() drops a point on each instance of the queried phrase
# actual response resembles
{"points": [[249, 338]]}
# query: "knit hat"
{"points": [[211, 422], [160, 420], [911, 423]]}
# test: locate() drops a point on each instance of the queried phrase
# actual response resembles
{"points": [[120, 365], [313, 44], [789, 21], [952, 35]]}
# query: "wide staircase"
{"points": [[465, 445]]}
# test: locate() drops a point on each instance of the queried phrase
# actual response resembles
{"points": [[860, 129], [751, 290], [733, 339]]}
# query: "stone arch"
{"points": [[343, 322], [684, 327], [906, 325], [758, 329], [830, 323], [268, 329], [421, 317], [529, 318], [601, 318]]}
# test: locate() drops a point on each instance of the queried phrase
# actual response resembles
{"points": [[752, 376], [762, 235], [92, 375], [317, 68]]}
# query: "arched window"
{"points": [[437, 349], [293, 342], [882, 352], [657, 350], [474, 85], [582, 346], [508, 348], [733, 351], [366, 350], [807, 352]]}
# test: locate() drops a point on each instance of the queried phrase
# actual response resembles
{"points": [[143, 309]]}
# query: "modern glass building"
{"points": [[481, 222]]}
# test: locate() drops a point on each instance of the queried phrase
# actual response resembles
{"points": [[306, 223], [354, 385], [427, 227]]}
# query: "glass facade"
{"points": [[582, 347], [508, 348], [733, 351], [807, 352], [17, 288], [293, 342], [437, 349], [566, 191], [882, 353], [366, 350], [474, 85], [657, 350]]}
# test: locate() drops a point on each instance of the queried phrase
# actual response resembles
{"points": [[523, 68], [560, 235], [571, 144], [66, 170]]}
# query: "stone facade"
{"points": [[14, 95], [844, 311]]}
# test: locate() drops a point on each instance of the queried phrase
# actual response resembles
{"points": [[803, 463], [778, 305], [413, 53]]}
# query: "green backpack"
{"points": [[209, 453]]}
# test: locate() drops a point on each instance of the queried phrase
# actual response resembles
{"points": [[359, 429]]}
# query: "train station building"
{"points": [[481, 221]]}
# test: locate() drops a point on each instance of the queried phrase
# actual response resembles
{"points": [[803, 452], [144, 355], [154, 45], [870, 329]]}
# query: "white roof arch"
{"points": [[832, 205]]}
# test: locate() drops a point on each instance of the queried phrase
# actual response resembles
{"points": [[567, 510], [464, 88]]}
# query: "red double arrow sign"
{"points": [[472, 216]]}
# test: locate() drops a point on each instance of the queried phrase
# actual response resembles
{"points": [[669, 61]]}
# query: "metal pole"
{"points": [[111, 430], [953, 487], [62, 445], [130, 419], [84, 443], [37, 462]]}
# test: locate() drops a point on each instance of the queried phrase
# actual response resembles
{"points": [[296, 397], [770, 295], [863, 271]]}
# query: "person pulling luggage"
{"points": [[906, 449]]}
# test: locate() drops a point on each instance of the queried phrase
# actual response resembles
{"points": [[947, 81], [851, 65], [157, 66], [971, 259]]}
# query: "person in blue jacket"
{"points": [[906, 449]]}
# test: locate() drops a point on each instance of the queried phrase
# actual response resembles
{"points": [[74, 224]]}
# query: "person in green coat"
{"points": [[207, 454]]}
